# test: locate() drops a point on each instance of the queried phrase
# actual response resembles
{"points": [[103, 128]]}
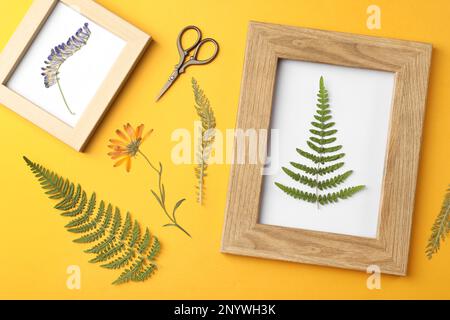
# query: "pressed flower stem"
{"points": [[62, 94], [162, 200]]}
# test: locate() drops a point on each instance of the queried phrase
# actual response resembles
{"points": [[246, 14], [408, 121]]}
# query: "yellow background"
{"points": [[36, 249]]}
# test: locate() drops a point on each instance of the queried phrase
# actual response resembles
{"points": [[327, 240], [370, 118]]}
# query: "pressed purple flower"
{"points": [[60, 54]]}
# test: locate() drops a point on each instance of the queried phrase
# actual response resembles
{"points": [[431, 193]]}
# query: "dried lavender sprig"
{"points": [[60, 54]]}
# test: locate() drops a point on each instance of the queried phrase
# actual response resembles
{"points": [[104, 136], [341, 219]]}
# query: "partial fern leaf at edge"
{"points": [[117, 247], [440, 229]]}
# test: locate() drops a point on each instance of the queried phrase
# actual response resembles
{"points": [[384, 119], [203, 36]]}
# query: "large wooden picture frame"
{"points": [[410, 62], [76, 137]]}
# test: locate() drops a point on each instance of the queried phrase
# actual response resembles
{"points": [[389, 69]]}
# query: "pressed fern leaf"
{"points": [[323, 154], [208, 121], [441, 227], [116, 243]]}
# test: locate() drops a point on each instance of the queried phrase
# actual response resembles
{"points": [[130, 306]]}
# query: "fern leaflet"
{"points": [[207, 137], [60, 54]]}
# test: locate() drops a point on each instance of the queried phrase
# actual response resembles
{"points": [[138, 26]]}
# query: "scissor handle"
{"points": [[182, 51], [194, 59]]}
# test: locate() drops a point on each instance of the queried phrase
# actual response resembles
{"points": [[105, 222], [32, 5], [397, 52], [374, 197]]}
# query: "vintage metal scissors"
{"points": [[186, 59]]}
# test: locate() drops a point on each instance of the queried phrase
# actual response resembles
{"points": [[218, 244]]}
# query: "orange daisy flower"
{"points": [[127, 147]]}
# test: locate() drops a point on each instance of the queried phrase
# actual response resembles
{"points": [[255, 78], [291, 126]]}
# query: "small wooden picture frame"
{"points": [[129, 44], [409, 62]]}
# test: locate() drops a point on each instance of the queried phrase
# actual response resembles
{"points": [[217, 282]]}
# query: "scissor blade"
{"points": [[165, 88]]}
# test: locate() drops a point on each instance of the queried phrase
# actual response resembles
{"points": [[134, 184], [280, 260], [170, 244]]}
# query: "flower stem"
{"points": [[62, 94], [162, 196], [148, 161], [179, 227]]}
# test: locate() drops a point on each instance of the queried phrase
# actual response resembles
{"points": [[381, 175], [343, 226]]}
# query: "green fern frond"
{"points": [[322, 152], [339, 195], [300, 178], [115, 245], [208, 121], [441, 227]]}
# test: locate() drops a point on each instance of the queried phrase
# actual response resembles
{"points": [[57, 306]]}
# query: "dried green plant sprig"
{"points": [[322, 154], [125, 149], [441, 227], [117, 243], [60, 54], [160, 197], [208, 121]]}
